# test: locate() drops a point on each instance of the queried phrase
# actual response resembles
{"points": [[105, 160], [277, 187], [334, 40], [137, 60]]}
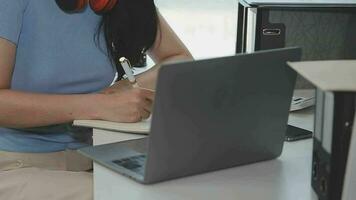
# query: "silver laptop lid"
{"points": [[218, 113]]}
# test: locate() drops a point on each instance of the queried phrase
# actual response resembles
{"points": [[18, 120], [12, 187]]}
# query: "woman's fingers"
{"points": [[147, 93], [145, 114], [131, 105]]}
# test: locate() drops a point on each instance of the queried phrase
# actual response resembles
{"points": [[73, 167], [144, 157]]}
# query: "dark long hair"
{"points": [[130, 29]]}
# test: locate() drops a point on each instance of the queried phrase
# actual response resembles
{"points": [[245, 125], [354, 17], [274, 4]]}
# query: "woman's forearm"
{"points": [[23, 110]]}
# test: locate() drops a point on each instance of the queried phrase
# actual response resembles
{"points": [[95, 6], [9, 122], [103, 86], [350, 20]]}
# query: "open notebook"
{"points": [[142, 127]]}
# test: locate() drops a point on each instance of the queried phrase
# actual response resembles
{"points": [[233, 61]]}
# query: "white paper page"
{"points": [[142, 127], [333, 75]]}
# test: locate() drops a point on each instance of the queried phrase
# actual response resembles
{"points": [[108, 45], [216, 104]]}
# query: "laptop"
{"points": [[208, 115]]}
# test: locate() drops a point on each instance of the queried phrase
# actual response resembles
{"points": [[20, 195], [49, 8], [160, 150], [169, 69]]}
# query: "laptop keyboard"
{"points": [[135, 163]]}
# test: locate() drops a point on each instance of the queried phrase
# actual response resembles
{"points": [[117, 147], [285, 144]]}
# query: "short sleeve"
{"points": [[11, 15]]}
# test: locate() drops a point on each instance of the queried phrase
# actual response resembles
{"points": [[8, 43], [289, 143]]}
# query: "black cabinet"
{"points": [[325, 29]]}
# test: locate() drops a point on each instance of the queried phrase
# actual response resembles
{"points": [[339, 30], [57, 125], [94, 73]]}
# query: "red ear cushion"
{"points": [[111, 5], [100, 6]]}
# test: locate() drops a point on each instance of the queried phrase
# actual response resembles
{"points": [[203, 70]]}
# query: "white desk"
{"points": [[286, 178]]}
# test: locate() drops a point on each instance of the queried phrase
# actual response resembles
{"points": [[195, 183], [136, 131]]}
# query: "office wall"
{"points": [[207, 27]]}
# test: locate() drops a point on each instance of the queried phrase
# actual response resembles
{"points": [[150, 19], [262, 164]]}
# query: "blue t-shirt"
{"points": [[56, 54]]}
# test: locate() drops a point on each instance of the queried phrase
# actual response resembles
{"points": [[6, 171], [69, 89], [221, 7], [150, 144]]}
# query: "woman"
{"points": [[57, 61]]}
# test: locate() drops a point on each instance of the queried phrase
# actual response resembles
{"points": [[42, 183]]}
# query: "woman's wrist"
{"points": [[92, 106]]}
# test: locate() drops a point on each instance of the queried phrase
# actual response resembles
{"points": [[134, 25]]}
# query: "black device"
{"points": [[333, 126], [294, 133], [324, 29], [334, 117]]}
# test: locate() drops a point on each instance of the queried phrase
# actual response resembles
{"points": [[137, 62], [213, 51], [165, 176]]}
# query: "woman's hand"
{"points": [[119, 86], [126, 105]]}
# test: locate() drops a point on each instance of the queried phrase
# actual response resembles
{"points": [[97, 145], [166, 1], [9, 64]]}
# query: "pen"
{"points": [[125, 63]]}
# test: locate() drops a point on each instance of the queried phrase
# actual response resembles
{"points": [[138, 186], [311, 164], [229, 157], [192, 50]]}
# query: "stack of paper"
{"points": [[142, 127]]}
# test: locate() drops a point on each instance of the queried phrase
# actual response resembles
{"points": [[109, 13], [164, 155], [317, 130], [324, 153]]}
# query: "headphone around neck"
{"points": [[98, 6]]}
